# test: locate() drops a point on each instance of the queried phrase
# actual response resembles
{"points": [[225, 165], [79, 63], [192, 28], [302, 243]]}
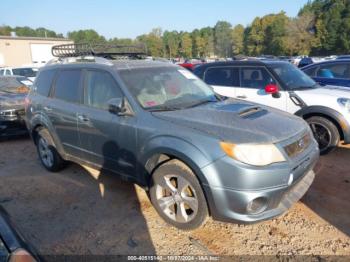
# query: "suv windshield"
{"points": [[292, 77], [167, 88], [27, 72]]}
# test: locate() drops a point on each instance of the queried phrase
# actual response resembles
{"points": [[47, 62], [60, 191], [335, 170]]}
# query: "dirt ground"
{"points": [[79, 211]]}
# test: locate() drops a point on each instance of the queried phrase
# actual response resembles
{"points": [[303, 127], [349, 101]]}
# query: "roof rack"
{"points": [[100, 50]]}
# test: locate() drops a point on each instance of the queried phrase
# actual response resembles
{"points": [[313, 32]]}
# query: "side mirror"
{"points": [[271, 89], [116, 106]]}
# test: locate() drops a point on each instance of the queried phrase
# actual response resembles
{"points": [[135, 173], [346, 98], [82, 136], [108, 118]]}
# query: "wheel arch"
{"points": [[332, 115]]}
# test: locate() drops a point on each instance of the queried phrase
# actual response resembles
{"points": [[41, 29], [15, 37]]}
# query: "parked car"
{"points": [[190, 64], [341, 57], [13, 247], [13, 91], [158, 125], [29, 72], [335, 72], [281, 85], [305, 61]]}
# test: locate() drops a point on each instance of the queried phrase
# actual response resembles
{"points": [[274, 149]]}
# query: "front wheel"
{"points": [[177, 196], [325, 133]]}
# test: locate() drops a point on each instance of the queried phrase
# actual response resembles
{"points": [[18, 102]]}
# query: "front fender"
{"points": [[179, 148], [331, 113]]}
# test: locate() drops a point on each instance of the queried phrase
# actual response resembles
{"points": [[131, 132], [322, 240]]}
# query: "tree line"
{"points": [[322, 27]]}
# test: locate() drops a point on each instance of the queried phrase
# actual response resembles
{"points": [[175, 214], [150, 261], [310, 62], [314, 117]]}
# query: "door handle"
{"points": [[83, 118], [48, 109], [242, 96]]}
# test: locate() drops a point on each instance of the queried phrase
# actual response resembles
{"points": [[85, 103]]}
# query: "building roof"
{"points": [[34, 38]]}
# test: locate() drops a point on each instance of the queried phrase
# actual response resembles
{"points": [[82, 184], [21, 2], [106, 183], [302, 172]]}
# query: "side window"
{"points": [[44, 81], [255, 77], [100, 87], [67, 86], [2, 72], [222, 76], [334, 71], [7, 72], [311, 71]]}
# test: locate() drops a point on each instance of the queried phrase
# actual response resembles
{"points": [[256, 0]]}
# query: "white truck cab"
{"points": [[281, 85]]}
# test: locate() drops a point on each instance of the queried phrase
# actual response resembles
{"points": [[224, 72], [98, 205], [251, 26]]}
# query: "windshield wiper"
{"points": [[201, 103], [163, 108]]}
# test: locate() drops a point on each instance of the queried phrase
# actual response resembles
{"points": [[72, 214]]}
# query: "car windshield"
{"points": [[292, 77], [167, 88], [15, 85], [27, 72]]}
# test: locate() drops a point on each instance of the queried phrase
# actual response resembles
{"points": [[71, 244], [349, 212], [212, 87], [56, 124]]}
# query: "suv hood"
{"points": [[11, 100], [237, 121]]}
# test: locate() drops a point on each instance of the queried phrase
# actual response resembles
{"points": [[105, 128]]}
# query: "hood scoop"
{"points": [[252, 112]]}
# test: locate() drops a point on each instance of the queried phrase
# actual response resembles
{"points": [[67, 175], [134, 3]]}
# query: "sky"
{"points": [[130, 18]]}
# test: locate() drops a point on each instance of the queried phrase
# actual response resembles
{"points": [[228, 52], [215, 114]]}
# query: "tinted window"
{"points": [[67, 85], [292, 77], [255, 77], [100, 87], [341, 70], [7, 72], [311, 71], [2, 72], [222, 76], [44, 81], [28, 72]]}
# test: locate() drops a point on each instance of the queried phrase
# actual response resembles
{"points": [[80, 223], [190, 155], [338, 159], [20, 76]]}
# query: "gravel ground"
{"points": [[80, 211]]}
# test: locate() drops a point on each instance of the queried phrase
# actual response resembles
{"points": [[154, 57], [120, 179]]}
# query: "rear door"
{"points": [[224, 79], [62, 109], [254, 79], [108, 140]]}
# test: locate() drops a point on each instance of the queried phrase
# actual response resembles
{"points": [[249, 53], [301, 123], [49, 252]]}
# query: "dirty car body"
{"points": [[13, 90], [168, 113]]}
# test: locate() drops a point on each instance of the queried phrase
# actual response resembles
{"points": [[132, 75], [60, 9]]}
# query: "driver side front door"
{"points": [[253, 81]]}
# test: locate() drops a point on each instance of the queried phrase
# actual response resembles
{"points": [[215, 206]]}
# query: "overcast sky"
{"points": [[130, 18]]}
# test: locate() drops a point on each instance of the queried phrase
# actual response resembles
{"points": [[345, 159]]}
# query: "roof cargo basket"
{"points": [[100, 50]]}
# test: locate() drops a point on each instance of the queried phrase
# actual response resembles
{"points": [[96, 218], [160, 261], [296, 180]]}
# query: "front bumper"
{"points": [[12, 123], [230, 194]]}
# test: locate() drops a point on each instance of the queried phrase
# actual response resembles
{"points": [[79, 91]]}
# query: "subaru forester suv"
{"points": [[158, 125]]}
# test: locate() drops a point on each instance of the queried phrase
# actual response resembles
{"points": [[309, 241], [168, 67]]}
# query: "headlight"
{"points": [[344, 102], [256, 155]]}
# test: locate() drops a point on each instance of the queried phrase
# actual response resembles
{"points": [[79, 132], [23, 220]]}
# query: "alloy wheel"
{"points": [[177, 198], [45, 153]]}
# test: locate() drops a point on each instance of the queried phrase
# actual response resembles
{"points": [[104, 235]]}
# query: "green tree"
{"points": [[300, 37], [171, 42], [153, 42], [237, 39], [331, 25], [223, 39], [186, 45], [5, 30], [86, 36], [207, 33]]}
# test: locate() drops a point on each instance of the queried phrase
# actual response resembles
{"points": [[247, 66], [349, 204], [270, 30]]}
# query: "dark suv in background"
{"points": [[158, 125]]}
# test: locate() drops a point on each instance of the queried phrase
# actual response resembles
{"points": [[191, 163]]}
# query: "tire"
{"points": [[177, 196], [47, 152], [325, 133]]}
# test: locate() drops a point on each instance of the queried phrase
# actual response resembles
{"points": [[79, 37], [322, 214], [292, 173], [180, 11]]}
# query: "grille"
{"points": [[298, 146]]}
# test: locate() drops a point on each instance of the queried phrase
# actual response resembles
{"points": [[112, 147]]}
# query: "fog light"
{"points": [[257, 205]]}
